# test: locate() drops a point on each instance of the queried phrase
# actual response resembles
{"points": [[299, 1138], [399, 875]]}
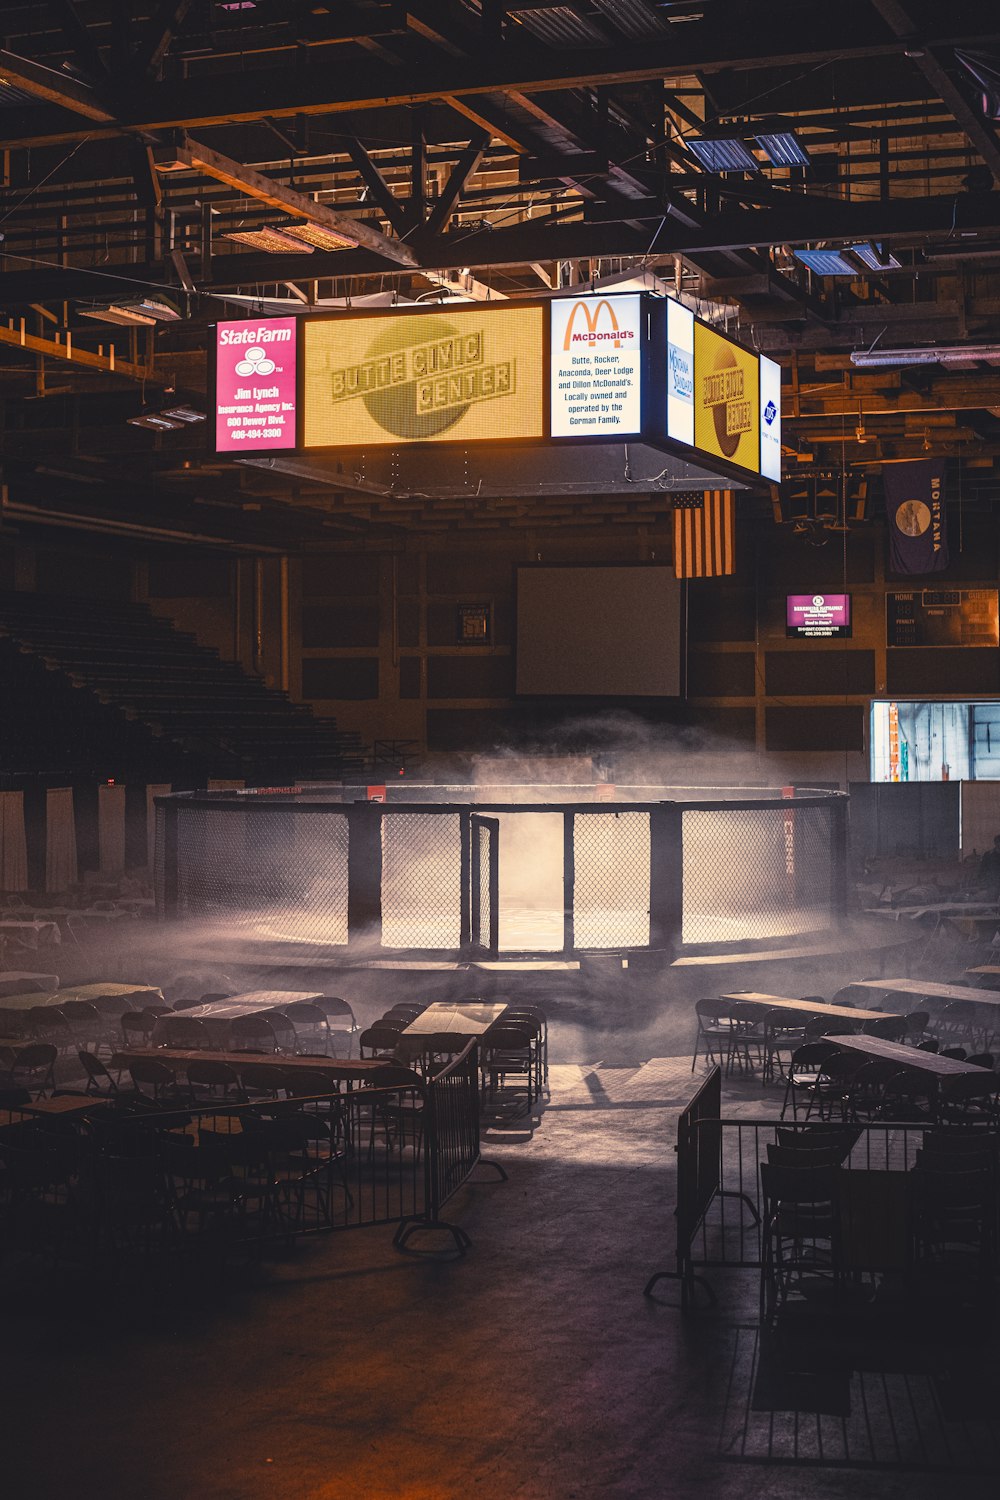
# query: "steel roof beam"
{"points": [[206, 100]]}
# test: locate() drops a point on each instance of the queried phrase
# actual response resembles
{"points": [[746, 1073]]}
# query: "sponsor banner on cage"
{"points": [[596, 369]]}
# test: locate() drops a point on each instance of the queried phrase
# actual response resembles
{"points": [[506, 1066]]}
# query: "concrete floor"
{"points": [[533, 1369]]}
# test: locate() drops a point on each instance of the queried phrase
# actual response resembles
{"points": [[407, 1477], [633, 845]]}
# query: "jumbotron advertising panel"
{"points": [[596, 366], [726, 399], [453, 376], [255, 385], [593, 367]]}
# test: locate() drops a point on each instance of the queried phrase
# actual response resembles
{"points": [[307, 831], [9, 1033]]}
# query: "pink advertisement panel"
{"points": [[255, 385]]}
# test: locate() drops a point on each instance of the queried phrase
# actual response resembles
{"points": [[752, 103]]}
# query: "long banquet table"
{"points": [[911, 1057], [348, 1070], [806, 1008], [927, 989], [469, 1018]]}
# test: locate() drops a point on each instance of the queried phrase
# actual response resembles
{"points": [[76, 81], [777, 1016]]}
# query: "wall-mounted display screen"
{"points": [[608, 631], [458, 375], [812, 615], [255, 385], [942, 617], [770, 419], [726, 398], [680, 373], [596, 368]]}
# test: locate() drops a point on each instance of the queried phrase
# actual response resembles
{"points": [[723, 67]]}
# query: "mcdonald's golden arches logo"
{"points": [[592, 317]]}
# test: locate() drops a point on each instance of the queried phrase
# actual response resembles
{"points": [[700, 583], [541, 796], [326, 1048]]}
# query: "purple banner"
{"points": [[914, 509]]}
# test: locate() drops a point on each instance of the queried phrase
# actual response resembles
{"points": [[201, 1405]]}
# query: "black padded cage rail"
{"points": [[723, 872]]}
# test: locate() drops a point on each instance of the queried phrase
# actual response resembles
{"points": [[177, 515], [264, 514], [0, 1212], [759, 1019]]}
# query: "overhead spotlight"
{"points": [[722, 153], [274, 241]]}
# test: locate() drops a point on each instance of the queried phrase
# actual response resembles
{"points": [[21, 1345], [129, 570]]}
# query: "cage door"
{"points": [[484, 885]]}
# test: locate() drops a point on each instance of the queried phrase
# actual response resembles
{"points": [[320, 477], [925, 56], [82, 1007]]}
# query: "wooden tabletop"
{"points": [[223, 1010], [66, 1104], [13, 981], [471, 1018], [146, 992], [909, 1057], [927, 988], [336, 1067], [804, 1008]]}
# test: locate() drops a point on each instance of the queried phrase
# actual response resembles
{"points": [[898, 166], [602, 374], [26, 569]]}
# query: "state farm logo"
{"points": [[255, 362], [723, 392], [593, 332]]}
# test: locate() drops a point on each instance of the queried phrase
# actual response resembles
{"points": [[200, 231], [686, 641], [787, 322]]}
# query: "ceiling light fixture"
{"points": [[142, 312], [319, 237], [782, 148], [827, 262], [952, 354], [184, 414], [871, 255], [274, 241], [111, 313], [722, 153], [155, 422]]}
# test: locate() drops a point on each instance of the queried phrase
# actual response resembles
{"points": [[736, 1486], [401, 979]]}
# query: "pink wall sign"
{"points": [[255, 385], [818, 614]]}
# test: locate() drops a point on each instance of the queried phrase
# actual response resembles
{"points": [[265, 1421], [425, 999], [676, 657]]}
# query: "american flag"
{"points": [[704, 533]]}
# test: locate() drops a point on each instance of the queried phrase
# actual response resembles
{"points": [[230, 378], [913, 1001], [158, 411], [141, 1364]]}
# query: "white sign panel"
{"points": [[680, 372], [596, 366], [770, 419]]}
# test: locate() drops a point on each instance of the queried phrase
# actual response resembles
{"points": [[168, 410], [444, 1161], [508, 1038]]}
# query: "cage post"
{"points": [[364, 871], [569, 880], [168, 809], [666, 877], [838, 858]]}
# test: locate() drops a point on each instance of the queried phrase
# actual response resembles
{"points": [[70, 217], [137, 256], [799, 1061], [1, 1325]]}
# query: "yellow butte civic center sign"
{"points": [[726, 398], [455, 375]]}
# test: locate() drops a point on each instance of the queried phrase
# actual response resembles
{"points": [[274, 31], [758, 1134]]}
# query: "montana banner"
{"points": [[914, 508], [704, 533]]}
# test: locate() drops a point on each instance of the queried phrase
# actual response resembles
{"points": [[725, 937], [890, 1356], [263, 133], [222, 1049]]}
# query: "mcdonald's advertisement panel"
{"points": [[456, 375], [596, 366], [726, 399]]}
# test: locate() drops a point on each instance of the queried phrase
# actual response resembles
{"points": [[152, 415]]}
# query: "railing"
{"points": [[452, 1114], [720, 1209], [220, 1178]]}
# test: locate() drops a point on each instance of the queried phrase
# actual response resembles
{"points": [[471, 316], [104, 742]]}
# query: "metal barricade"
{"points": [[720, 1207], [190, 1181]]}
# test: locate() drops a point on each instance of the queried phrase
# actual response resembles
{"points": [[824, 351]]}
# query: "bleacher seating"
{"points": [[130, 660]]}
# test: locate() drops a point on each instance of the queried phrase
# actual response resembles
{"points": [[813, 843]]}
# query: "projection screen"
{"points": [[598, 631]]}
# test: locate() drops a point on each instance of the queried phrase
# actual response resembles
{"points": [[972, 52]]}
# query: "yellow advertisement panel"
{"points": [[453, 375], [726, 399]]}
